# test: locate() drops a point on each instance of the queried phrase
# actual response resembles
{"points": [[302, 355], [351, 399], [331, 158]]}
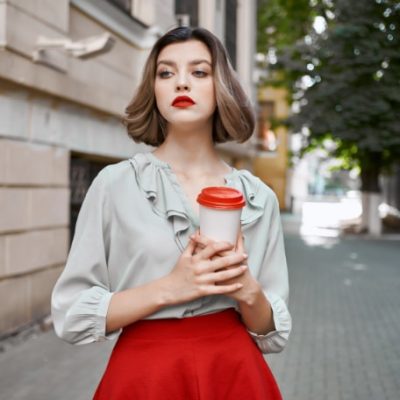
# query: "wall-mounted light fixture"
{"points": [[52, 52]]}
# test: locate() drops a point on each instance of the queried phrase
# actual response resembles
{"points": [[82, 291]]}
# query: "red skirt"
{"points": [[208, 357]]}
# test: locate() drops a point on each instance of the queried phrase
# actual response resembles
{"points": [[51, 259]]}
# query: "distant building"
{"points": [[271, 156], [60, 121]]}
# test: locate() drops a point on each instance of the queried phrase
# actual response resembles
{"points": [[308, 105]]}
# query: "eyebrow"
{"points": [[193, 62]]}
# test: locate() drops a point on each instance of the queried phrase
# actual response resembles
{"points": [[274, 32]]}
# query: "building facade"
{"points": [[60, 119]]}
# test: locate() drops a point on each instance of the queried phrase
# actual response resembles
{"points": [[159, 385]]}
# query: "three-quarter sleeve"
{"points": [[81, 296], [274, 281]]}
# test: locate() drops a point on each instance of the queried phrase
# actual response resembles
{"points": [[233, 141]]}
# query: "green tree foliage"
{"points": [[346, 84], [282, 22]]}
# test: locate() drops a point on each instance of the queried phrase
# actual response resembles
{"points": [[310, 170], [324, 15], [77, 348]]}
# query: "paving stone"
{"points": [[345, 305]]}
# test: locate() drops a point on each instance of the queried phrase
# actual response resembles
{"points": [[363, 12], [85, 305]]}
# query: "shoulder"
{"points": [[261, 201], [255, 186], [113, 173]]}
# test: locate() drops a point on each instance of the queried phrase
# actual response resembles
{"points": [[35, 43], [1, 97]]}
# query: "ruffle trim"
{"points": [[160, 186], [256, 198], [155, 181]]}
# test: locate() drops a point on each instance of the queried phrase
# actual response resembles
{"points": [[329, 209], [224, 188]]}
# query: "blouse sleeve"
{"points": [[81, 296], [274, 281]]}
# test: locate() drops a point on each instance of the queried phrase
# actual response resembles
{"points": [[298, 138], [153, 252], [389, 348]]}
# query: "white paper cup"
{"points": [[220, 211]]}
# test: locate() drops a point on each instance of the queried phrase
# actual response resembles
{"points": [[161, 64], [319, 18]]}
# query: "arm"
{"points": [[81, 295], [273, 280], [262, 300], [193, 276]]}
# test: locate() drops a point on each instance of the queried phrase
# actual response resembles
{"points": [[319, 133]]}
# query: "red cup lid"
{"points": [[221, 197]]}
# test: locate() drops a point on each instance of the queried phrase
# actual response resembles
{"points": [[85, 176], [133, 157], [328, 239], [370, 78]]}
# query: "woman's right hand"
{"points": [[198, 275]]}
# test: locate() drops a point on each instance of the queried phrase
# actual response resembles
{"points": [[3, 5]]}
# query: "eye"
{"points": [[200, 74], [164, 74]]}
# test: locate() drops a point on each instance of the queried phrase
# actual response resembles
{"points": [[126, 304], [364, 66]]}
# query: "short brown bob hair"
{"points": [[233, 119]]}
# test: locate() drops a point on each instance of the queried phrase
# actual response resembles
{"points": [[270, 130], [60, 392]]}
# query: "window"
{"points": [[82, 173], [230, 29], [141, 11], [123, 5], [190, 8]]}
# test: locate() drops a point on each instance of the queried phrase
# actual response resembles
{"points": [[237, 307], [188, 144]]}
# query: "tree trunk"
{"points": [[371, 195]]}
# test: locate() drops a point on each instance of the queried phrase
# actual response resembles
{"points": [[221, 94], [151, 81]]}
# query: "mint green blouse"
{"points": [[132, 227]]}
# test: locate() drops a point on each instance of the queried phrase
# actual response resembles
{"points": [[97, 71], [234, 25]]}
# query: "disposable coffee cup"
{"points": [[220, 211]]}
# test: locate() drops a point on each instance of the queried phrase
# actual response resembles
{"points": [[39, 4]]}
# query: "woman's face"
{"points": [[184, 84]]}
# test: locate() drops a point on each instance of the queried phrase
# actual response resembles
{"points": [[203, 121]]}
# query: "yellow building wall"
{"points": [[271, 167]]}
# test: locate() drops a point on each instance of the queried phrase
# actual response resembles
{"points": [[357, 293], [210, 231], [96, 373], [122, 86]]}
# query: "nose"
{"points": [[182, 84], [181, 87]]}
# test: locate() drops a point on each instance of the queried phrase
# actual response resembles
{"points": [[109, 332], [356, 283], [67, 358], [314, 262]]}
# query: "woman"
{"points": [[195, 315]]}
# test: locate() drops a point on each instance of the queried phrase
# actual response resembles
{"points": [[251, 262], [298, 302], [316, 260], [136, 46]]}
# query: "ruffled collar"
{"points": [[161, 187]]}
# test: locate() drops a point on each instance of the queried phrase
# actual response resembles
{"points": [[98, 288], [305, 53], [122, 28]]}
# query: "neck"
{"points": [[189, 148]]}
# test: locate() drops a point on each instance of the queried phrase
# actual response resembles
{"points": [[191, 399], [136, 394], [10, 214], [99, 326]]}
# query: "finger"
{"points": [[190, 248], [223, 254], [225, 262], [240, 243], [200, 239], [221, 276], [221, 289], [239, 249], [198, 248], [220, 263], [213, 248]]}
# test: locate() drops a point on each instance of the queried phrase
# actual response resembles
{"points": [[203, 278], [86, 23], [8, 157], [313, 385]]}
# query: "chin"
{"points": [[188, 123]]}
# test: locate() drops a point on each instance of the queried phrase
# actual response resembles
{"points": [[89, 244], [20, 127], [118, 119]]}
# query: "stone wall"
{"points": [[38, 135], [34, 208]]}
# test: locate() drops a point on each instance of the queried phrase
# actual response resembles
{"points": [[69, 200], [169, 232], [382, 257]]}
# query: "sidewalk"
{"points": [[345, 305], [345, 345]]}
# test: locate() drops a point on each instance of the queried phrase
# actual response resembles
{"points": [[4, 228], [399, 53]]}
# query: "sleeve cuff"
{"points": [[85, 321], [275, 341], [100, 324]]}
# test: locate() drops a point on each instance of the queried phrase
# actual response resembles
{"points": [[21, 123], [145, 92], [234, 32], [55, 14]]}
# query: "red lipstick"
{"points": [[182, 102]]}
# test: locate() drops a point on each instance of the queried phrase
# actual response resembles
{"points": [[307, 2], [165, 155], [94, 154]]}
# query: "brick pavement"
{"points": [[345, 302]]}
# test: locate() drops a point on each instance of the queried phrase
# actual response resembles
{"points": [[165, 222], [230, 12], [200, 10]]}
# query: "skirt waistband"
{"points": [[222, 322]]}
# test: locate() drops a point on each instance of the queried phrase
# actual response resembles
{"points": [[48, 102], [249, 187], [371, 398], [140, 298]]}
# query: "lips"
{"points": [[182, 102]]}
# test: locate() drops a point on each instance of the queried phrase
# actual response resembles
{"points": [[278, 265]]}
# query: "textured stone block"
{"points": [[2, 160], [14, 206], [60, 166], [80, 129], [14, 300], [25, 163], [33, 250], [54, 13], [3, 259], [15, 111], [49, 207], [33, 208], [41, 286]]}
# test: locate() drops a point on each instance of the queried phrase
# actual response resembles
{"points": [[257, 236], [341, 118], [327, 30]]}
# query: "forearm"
{"points": [[257, 313], [193, 276], [135, 304]]}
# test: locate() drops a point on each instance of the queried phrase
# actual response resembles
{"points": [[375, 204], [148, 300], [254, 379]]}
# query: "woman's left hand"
{"points": [[251, 287]]}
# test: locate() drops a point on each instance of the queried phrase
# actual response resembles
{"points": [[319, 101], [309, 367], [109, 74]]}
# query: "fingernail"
{"points": [[245, 255]]}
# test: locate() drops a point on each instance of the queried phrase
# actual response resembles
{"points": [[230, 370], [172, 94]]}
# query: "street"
{"points": [[345, 303]]}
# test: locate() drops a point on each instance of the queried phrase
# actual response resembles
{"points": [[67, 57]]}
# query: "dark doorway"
{"points": [[82, 173]]}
